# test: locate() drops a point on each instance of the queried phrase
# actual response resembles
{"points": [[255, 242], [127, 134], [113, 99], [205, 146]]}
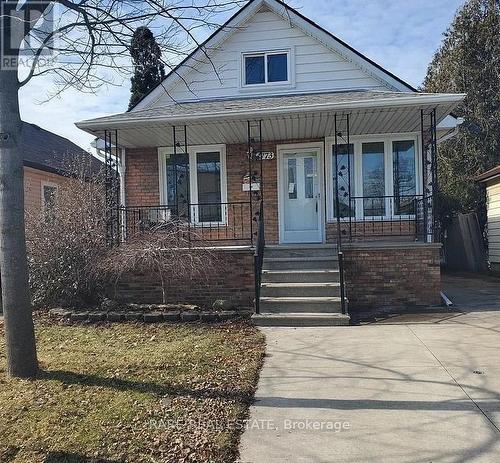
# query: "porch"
{"points": [[337, 169]]}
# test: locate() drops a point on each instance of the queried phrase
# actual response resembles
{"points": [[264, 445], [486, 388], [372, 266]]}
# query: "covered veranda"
{"points": [[260, 124]]}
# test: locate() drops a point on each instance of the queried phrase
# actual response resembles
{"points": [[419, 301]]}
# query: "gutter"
{"points": [[360, 104], [454, 132]]}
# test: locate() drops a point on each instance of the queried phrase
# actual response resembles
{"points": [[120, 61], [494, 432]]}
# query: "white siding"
{"points": [[317, 68], [493, 202]]}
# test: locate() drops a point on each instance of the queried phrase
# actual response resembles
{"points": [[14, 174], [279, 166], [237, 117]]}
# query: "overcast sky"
{"points": [[400, 35]]}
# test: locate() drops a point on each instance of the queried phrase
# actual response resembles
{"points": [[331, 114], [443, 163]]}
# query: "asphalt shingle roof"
{"points": [[228, 106], [45, 150]]}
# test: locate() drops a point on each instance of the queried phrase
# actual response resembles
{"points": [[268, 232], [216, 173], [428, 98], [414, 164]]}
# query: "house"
{"points": [[308, 165], [47, 159], [491, 179]]}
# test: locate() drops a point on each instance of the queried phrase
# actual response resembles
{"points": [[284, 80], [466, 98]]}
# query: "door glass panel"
{"points": [[345, 171], [309, 177], [403, 155], [178, 185], [209, 187], [373, 179], [292, 179]]}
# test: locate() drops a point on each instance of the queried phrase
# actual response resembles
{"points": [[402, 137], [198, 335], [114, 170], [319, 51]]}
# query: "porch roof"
{"points": [[306, 116]]}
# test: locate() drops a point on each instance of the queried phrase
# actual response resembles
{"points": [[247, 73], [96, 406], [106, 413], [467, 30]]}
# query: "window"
{"points": [[49, 197], [209, 187], [373, 179], [292, 178], [194, 184], [344, 167], [178, 184], [266, 68], [404, 177]]}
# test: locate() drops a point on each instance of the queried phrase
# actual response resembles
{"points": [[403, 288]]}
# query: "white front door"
{"points": [[301, 214]]}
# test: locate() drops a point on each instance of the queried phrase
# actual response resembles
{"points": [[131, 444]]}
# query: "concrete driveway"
{"points": [[422, 389]]}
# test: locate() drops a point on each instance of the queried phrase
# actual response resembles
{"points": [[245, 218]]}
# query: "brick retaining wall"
{"points": [[392, 275], [234, 282]]}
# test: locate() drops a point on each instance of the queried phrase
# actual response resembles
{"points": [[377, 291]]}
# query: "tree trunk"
{"points": [[18, 320]]}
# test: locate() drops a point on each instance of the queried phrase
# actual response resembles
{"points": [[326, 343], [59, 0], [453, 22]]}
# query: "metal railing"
{"points": [[230, 221], [259, 255], [375, 217]]}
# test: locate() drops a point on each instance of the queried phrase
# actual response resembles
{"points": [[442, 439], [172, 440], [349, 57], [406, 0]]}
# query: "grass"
{"points": [[131, 393]]}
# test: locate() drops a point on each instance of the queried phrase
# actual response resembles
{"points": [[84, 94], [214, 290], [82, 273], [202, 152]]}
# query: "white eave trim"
{"points": [[253, 113]]}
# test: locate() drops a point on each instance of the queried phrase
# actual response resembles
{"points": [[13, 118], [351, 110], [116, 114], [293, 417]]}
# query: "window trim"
{"points": [[193, 150], [357, 141], [49, 184], [267, 85]]}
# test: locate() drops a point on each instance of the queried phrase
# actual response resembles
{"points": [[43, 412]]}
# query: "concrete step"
{"points": [[300, 276], [320, 250], [300, 319], [300, 289], [300, 304], [300, 263]]}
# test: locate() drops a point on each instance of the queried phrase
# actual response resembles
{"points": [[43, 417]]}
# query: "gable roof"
{"points": [[292, 15], [44, 150]]}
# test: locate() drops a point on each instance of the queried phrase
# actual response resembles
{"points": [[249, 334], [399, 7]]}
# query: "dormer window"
{"points": [[266, 68]]}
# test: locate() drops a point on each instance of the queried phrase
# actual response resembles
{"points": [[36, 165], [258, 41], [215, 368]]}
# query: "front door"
{"points": [[301, 215]]}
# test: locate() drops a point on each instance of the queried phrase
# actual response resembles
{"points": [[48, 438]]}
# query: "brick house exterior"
{"points": [[308, 164]]}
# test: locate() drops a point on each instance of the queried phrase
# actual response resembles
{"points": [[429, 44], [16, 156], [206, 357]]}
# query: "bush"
{"points": [[66, 242], [166, 253]]}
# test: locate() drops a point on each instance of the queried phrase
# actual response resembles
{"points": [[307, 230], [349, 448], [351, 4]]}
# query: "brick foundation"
{"points": [[392, 275], [233, 282]]}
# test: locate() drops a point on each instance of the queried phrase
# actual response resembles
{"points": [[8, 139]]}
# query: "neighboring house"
{"points": [[275, 131], [47, 159], [491, 179]]}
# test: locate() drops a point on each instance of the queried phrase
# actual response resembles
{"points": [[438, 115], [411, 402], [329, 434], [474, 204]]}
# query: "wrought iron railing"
{"points": [[374, 217], [230, 221], [260, 244]]}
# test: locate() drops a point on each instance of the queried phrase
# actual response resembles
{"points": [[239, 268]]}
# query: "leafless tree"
{"points": [[166, 252], [87, 44]]}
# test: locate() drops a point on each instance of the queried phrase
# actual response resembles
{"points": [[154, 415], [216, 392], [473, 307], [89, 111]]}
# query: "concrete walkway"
{"points": [[422, 390]]}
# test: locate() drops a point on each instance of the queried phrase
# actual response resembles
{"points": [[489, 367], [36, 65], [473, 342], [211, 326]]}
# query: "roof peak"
{"points": [[294, 16]]}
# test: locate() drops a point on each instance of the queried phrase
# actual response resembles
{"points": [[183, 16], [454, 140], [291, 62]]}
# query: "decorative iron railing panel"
{"points": [[210, 222], [378, 217]]}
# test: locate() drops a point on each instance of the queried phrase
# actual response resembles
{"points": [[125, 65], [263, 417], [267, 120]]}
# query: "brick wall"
{"points": [[372, 229], [392, 275], [234, 281], [142, 184], [142, 177]]}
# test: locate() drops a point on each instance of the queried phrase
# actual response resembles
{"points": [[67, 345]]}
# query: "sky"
{"points": [[400, 35]]}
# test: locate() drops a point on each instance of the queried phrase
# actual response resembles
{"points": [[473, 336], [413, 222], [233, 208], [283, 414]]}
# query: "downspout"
{"points": [[122, 169]]}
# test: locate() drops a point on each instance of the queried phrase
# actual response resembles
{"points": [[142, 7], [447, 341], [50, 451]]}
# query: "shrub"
{"points": [[166, 253], [66, 241]]}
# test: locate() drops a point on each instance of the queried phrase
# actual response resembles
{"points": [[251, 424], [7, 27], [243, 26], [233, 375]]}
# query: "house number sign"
{"points": [[265, 155]]}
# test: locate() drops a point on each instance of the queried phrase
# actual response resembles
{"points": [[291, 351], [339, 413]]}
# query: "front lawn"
{"points": [[131, 393]]}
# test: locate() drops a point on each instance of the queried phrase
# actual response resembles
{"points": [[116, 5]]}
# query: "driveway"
{"points": [[422, 390]]}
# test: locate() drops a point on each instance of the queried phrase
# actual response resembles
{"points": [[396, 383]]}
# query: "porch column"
{"points": [[112, 188], [428, 207]]}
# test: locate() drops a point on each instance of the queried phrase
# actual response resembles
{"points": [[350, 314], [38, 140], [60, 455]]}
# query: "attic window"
{"points": [[266, 68]]}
